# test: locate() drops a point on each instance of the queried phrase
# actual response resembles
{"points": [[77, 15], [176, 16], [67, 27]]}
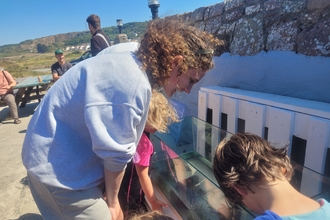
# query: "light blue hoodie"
{"points": [[93, 116]]}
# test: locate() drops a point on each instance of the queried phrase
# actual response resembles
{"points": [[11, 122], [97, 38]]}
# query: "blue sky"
{"points": [[29, 19]]}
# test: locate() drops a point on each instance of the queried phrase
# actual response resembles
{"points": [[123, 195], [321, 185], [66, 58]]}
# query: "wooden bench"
{"points": [[30, 88], [31, 93]]}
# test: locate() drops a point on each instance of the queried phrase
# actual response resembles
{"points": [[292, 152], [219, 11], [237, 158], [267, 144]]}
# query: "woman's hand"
{"points": [[116, 212]]}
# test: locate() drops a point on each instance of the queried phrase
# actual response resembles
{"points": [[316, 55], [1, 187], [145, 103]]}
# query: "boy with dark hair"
{"points": [[250, 170]]}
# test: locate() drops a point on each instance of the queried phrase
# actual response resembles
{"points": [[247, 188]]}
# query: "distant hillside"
{"points": [[132, 29]]}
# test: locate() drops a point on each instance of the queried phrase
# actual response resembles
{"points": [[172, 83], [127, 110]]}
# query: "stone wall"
{"points": [[251, 26], [280, 47]]}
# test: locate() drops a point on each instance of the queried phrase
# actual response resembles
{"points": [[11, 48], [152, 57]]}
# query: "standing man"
{"points": [[61, 66], [99, 40]]}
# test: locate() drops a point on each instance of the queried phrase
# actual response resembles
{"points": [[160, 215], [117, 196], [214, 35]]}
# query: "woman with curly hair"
{"points": [[251, 171], [87, 127], [176, 55]]}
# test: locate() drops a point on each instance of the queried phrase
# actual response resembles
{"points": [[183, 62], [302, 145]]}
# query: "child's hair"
{"points": [[161, 112], [152, 215], [245, 159], [168, 37]]}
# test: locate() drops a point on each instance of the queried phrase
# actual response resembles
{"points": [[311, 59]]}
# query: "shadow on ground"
{"points": [[22, 131], [22, 112], [29, 216], [24, 181]]}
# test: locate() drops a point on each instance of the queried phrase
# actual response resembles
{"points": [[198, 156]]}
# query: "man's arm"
{"points": [[112, 185], [55, 77], [54, 72]]}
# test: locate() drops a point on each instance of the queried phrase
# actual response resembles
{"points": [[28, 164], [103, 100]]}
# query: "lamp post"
{"points": [[121, 38], [120, 25], [153, 5]]}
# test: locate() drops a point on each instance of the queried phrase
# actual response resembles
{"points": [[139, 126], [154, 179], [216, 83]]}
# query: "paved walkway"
{"points": [[16, 202]]}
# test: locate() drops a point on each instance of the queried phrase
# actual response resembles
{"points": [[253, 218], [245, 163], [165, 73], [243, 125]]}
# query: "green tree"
{"points": [[42, 48]]}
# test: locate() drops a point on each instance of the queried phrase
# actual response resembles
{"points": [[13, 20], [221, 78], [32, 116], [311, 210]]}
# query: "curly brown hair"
{"points": [[168, 37], [246, 159]]}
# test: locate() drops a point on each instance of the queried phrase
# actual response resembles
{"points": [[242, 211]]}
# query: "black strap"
{"points": [[5, 77]]}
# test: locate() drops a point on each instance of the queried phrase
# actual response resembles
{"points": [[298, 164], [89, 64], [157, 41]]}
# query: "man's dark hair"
{"points": [[94, 20]]}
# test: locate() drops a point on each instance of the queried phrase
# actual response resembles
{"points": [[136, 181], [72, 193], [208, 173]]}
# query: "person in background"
{"points": [[7, 83], [251, 171], [136, 182], [61, 66], [86, 128], [99, 39]]}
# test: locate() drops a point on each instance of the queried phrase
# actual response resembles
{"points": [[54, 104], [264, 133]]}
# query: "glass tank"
{"points": [[182, 170]]}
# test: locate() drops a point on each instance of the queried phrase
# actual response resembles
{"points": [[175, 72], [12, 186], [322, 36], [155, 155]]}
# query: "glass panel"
{"points": [[182, 166], [310, 183]]}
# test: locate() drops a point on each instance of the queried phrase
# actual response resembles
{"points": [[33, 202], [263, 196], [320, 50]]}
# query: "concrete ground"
{"points": [[16, 202]]}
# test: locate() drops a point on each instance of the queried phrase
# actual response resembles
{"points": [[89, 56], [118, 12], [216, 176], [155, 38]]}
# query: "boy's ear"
{"points": [[241, 190]]}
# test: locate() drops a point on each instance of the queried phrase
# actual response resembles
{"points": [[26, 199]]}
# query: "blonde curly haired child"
{"points": [[136, 183]]}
